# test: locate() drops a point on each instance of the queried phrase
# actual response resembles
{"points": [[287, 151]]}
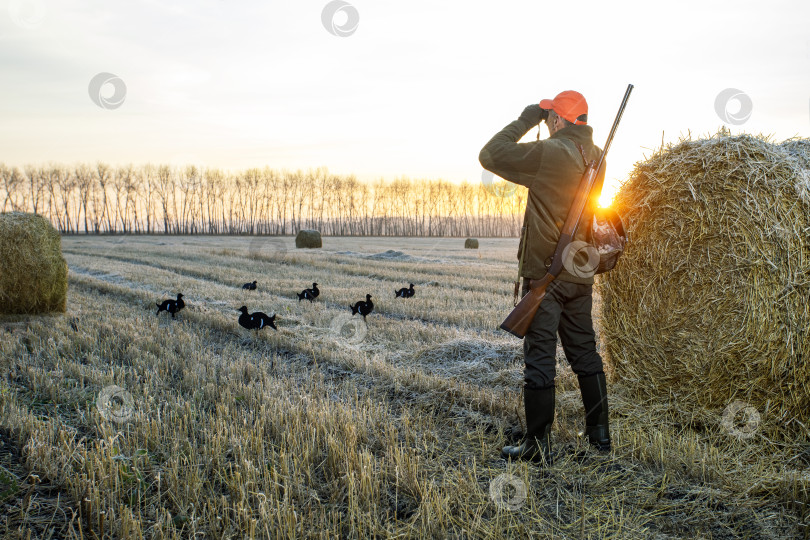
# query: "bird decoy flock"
{"points": [[259, 320]]}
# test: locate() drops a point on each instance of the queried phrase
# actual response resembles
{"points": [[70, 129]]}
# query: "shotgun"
{"points": [[518, 321]]}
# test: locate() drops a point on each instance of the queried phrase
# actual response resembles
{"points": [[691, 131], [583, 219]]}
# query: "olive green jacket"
{"points": [[551, 169]]}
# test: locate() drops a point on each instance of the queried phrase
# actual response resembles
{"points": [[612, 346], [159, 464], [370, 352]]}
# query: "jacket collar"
{"points": [[579, 134]]}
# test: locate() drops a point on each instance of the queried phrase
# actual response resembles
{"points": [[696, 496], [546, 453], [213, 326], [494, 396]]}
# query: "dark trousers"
{"points": [[565, 310]]}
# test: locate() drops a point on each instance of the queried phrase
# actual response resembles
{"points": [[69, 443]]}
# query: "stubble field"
{"points": [[330, 427]]}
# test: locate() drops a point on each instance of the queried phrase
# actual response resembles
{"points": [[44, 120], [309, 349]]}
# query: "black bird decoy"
{"points": [[249, 286], [309, 294], [306, 294], [171, 306], [255, 321], [404, 293], [363, 308]]}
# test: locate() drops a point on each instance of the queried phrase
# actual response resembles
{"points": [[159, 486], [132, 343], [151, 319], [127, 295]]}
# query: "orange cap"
{"points": [[569, 104]]}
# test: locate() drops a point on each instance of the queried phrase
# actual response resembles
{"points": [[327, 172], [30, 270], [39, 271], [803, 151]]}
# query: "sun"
{"points": [[609, 190]]}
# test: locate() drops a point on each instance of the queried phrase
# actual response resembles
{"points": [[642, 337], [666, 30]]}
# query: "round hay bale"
{"points": [[471, 243], [308, 239], [710, 302], [33, 273]]}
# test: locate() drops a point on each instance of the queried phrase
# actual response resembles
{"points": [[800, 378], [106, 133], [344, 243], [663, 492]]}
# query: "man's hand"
{"points": [[533, 115]]}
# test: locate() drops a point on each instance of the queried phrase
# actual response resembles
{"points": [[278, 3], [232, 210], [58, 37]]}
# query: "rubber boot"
{"points": [[594, 397], [539, 406]]}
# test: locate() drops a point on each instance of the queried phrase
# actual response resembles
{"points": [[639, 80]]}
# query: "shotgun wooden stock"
{"points": [[518, 321]]}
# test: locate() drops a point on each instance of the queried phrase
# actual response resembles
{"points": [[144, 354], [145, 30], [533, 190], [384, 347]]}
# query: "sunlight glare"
{"points": [[609, 190]]}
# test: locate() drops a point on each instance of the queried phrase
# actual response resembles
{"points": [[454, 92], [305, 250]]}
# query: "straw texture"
{"points": [[710, 302], [33, 273]]}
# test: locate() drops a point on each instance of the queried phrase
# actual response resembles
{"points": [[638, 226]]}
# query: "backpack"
{"points": [[608, 237]]}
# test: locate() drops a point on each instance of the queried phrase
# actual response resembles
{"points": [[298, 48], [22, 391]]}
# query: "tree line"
{"points": [[152, 199]]}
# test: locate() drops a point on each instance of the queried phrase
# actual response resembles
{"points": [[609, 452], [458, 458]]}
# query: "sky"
{"points": [[383, 89]]}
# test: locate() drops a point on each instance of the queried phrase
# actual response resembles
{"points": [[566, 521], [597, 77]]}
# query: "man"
{"points": [[551, 169]]}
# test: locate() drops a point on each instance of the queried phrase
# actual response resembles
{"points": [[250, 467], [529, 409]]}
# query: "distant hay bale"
{"points": [[710, 303], [33, 273], [471, 243], [308, 239]]}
